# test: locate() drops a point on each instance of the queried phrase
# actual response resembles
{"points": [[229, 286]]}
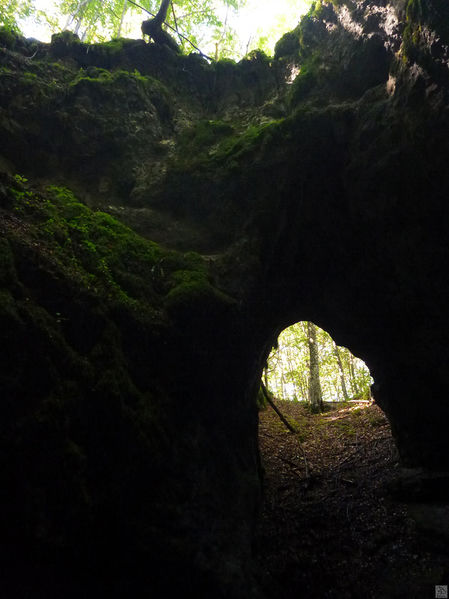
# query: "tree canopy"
{"points": [[203, 21], [13, 11], [215, 26]]}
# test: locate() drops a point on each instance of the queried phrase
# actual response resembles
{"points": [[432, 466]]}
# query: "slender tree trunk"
{"points": [[341, 371], [79, 16], [79, 10], [283, 385], [162, 12], [354, 385], [122, 17], [315, 396]]}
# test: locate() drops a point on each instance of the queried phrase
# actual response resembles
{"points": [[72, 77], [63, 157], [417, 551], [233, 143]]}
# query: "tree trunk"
{"points": [[354, 385], [162, 12], [342, 374], [153, 28], [315, 396], [120, 25]]}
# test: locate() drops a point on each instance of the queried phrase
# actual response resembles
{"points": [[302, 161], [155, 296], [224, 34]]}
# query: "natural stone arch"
{"points": [[334, 211]]}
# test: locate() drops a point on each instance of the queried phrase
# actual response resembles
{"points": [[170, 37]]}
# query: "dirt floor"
{"points": [[330, 526]]}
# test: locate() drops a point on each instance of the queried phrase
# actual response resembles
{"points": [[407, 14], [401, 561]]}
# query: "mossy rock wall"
{"points": [[133, 353]]}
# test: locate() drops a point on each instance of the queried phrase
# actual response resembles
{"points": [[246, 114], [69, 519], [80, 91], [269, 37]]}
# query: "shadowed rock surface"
{"points": [[162, 220]]}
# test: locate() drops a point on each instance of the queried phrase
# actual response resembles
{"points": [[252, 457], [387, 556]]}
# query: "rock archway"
{"points": [[132, 368]]}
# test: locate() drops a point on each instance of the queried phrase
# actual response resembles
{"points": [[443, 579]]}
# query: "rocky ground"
{"points": [[330, 526]]}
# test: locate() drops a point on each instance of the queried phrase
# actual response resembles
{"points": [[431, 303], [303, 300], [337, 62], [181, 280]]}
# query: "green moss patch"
{"points": [[101, 254]]}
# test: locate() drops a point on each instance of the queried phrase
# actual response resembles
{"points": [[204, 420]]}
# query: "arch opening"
{"points": [[307, 365]]}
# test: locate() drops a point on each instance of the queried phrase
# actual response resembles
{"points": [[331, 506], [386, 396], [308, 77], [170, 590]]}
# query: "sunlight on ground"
{"points": [[258, 23], [344, 411]]}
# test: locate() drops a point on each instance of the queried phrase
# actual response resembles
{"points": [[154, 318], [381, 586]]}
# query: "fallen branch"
{"points": [[277, 410], [287, 424]]}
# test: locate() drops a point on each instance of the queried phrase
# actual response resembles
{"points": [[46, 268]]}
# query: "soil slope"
{"points": [[330, 527]]}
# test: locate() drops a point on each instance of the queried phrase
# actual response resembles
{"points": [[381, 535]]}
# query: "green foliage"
{"points": [[12, 11], [288, 367], [98, 20], [290, 12], [94, 20]]}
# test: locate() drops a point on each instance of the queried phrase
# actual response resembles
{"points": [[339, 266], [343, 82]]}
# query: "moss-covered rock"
{"points": [[128, 434], [288, 45], [96, 302]]}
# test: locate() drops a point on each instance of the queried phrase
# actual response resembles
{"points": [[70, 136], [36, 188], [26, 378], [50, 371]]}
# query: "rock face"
{"points": [[211, 206]]}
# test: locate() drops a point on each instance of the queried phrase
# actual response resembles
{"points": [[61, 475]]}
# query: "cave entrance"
{"points": [[324, 473], [307, 365]]}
